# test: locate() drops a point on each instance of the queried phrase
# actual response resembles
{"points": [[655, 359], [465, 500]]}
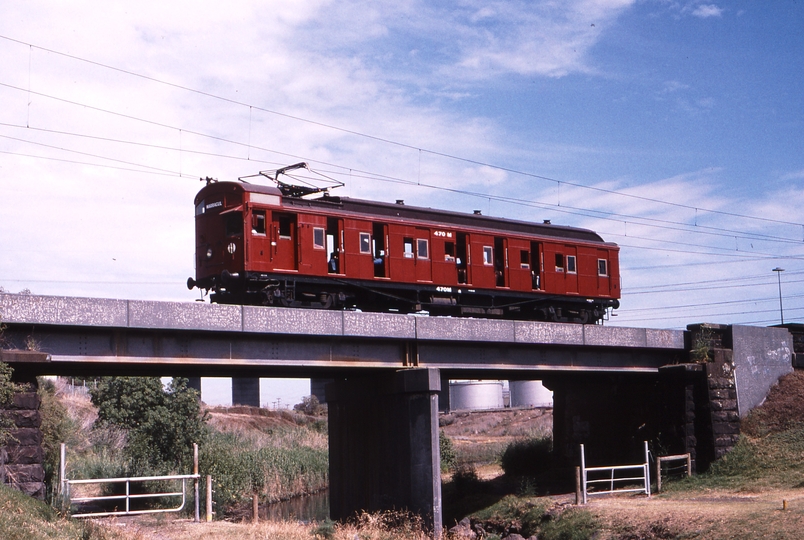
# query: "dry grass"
{"points": [[711, 515]]}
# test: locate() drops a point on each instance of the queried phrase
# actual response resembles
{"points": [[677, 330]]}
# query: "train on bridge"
{"points": [[278, 245]]}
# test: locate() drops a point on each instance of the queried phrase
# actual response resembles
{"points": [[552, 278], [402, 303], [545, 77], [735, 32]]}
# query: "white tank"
{"points": [[530, 394], [475, 395]]}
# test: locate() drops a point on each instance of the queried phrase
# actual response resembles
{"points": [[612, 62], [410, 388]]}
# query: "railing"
{"points": [[664, 459], [65, 487], [128, 496], [612, 480]]}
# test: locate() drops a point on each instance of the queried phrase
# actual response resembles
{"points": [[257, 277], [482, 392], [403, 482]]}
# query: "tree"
{"points": [[161, 423]]}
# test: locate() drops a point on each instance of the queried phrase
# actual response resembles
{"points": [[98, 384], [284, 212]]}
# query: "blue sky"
{"points": [[673, 128]]}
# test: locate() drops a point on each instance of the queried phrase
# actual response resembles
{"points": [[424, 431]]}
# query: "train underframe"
{"points": [[339, 293]]}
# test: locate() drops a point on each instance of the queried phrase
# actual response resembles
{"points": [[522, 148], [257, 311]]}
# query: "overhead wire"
{"points": [[585, 212]]}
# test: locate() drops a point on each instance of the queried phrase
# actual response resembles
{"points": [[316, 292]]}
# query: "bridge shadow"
{"points": [[465, 493]]}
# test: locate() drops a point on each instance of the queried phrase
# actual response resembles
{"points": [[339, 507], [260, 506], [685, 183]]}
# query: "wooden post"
{"points": [[658, 475], [209, 498], [689, 464], [577, 486], [255, 516]]}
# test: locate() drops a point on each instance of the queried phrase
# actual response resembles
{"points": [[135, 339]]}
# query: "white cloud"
{"points": [[705, 11]]}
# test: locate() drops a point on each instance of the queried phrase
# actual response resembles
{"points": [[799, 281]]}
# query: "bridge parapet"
{"points": [[195, 316]]}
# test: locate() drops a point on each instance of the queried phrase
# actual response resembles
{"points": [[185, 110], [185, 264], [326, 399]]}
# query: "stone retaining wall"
{"points": [[21, 461]]}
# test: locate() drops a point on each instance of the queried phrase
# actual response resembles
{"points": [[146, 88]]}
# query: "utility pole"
{"points": [[779, 275]]}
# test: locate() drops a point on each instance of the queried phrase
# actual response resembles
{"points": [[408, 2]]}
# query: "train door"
{"points": [[462, 258], [603, 273], [335, 264], [259, 243], [379, 249], [570, 270], [284, 241], [536, 265], [501, 261], [424, 271]]}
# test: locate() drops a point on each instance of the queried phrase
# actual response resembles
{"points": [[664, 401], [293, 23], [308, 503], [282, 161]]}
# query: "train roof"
{"points": [[398, 210]]}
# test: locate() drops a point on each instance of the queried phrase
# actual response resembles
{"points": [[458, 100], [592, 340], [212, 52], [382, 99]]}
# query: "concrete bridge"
{"points": [[611, 385]]}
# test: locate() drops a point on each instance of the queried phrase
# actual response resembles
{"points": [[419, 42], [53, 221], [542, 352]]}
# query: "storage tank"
{"points": [[530, 394], [475, 395]]}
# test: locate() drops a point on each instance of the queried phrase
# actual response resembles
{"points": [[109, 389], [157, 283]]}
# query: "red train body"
{"points": [[256, 245]]}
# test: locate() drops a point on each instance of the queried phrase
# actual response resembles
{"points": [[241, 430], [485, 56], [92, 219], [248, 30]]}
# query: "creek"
{"points": [[313, 507]]}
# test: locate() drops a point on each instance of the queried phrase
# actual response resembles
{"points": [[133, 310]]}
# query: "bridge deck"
{"points": [[233, 339]]}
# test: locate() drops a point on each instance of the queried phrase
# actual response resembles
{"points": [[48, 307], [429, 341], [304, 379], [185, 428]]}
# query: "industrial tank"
{"points": [[530, 394], [475, 395]]}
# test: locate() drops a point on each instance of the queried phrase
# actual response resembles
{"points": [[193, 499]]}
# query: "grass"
{"points": [[24, 518]]}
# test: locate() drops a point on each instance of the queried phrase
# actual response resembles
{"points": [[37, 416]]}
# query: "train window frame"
{"points": [[258, 222], [365, 243], [559, 262], [572, 266], [422, 248], [488, 256], [407, 247], [524, 259], [602, 267], [319, 238]]}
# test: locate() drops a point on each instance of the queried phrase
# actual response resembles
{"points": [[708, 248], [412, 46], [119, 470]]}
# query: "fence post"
{"points": [[577, 486], [583, 474], [195, 471], [647, 470], [62, 465], [255, 508], [658, 474], [689, 464], [209, 498]]}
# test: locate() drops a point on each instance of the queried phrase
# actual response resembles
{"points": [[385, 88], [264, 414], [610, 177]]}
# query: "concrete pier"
{"points": [[246, 391], [383, 444]]}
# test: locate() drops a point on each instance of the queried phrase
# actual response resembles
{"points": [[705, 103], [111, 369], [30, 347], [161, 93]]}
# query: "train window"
{"points": [[234, 223], [408, 248], [199, 209], [284, 226], [422, 250], [524, 259], [318, 238], [258, 222], [571, 269], [602, 267], [559, 262], [365, 242], [449, 251], [487, 255]]}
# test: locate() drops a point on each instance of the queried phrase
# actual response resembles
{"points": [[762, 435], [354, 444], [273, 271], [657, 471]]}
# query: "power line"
{"points": [[392, 142]]}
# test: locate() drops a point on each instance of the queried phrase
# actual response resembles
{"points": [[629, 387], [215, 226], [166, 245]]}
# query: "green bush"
{"points": [[527, 457], [161, 423], [447, 452]]}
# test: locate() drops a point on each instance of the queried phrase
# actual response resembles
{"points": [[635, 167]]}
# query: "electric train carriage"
{"points": [[273, 245]]}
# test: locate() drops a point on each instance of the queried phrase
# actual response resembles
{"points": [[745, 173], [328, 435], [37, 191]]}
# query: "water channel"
{"points": [[313, 507]]}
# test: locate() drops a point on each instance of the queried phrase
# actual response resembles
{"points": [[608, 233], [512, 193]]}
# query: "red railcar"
{"points": [[258, 245]]}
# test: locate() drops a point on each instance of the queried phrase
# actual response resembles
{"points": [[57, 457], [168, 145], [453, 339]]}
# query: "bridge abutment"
{"points": [[22, 458], [383, 444]]}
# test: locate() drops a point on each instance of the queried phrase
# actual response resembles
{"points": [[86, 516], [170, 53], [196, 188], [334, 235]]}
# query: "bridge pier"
{"points": [[383, 444], [246, 391]]}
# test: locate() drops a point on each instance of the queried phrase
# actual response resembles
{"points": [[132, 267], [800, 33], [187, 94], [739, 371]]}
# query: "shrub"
{"points": [[161, 423], [447, 452], [528, 457]]}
